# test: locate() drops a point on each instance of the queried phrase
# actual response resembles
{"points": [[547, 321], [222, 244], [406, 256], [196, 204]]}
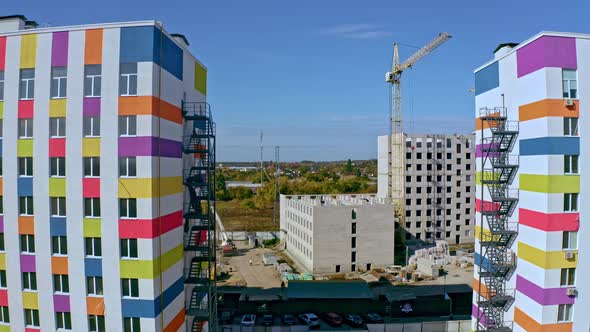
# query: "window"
{"points": [[128, 79], [92, 166], [92, 207], [25, 128], [2, 247], [91, 126], [130, 287], [570, 202], [27, 84], [57, 166], [92, 80], [353, 228], [570, 83], [564, 312], [58, 206], [570, 126], [568, 276], [570, 240], [337, 268], [353, 256], [131, 324], [353, 242], [353, 267], [94, 285], [1, 85], [25, 166], [61, 283], [59, 245], [128, 248], [30, 281], [570, 164], [127, 167], [32, 317], [128, 125], [4, 316], [128, 208], [63, 320], [25, 205], [96, 323], [27, 243], [59, 82], [57, 127], [93, 246], [3, 279]]}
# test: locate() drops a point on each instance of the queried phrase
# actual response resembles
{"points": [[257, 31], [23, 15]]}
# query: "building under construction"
{"points": [[439, 186]]}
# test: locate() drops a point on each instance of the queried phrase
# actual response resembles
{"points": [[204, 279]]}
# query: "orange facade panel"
{"points": [[531, 325], [95, 305], [485, 124], [59, 264], [93, 47], [149, 105], [548, 107], [26, 225]]}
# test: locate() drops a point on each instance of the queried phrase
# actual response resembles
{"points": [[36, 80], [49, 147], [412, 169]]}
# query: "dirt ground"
{"points": [[242, 273], [237, 218]]}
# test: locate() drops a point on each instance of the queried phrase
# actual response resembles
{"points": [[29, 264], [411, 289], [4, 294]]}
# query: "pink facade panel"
{"points": [[547, 51], [59, 49]]}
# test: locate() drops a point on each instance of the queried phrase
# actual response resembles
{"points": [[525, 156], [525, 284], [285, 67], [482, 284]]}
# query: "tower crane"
{"points": [[396, 175]]}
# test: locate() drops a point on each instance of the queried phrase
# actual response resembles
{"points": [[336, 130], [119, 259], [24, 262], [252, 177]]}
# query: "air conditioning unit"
{"points": [[571, 291], [569, 255], [569, 102]]}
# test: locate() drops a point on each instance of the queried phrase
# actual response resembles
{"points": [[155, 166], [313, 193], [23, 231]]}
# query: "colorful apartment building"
{"points": [[535, 92], [92, 188]]}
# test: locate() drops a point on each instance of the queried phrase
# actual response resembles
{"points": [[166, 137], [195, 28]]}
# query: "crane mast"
{"points": [[396, 174]]}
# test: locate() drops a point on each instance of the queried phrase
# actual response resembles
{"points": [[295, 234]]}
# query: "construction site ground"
{"points": [[241, 273], [454, 275]]}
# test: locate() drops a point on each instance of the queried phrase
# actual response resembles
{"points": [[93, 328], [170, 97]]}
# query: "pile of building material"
{"points": [[439, 254]]}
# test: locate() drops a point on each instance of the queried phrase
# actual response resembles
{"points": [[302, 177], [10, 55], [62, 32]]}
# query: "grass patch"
{"points": [[237, 217]]}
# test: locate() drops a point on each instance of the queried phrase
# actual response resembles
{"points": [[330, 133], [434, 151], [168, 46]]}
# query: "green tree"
{"points": [[348, 167]]}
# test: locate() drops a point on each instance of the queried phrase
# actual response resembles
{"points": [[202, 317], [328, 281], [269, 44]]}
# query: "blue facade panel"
{"points": [[93, 267], [137, 44], [57, 226], [151, 308], [550, 146], [487, 79], [25, 186], [142, 44], [479, 259]]}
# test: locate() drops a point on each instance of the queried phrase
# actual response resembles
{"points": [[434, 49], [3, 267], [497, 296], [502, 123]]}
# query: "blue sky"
{"points": [[310, 74]]}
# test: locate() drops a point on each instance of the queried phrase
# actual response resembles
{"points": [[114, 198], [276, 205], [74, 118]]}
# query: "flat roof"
{"points": [[530, 40], [329, 289], [338, 200]]}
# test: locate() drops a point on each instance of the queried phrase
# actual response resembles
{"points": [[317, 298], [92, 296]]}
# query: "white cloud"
{"points": [[356, 31]]}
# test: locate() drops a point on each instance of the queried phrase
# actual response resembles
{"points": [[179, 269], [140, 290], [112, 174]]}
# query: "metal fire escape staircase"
{"points": [[199, 217], [497, 263], [437, 192]]}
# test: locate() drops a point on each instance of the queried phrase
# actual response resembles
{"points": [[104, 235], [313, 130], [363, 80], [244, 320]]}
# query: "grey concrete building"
{"points": [[439, 189], [337, 233]]}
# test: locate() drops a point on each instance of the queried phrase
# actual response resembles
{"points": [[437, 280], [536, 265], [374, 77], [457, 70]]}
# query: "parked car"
{"points": [[248, 320], [266, 319], [353, 320], [289, 319], [373, 318], [310, 319], [332, 319]]}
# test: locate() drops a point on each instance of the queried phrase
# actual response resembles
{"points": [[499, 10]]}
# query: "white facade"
{"points": [[154, 225], [530, 80], [337, 233]]}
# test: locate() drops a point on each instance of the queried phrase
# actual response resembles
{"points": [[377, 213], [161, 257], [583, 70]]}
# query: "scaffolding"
{"points": [[200, 239], [497, 262], [435, 190]]}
